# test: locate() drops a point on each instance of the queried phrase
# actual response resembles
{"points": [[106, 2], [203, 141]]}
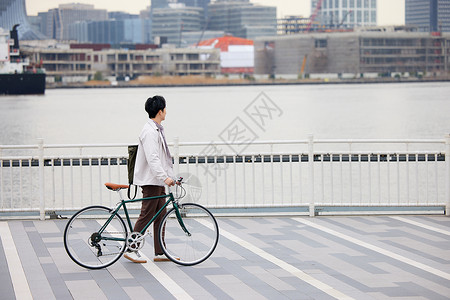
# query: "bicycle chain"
{"points": [[113, 232]]}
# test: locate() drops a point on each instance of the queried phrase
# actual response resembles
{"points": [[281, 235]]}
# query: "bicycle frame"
{"points": [[123, 203]]}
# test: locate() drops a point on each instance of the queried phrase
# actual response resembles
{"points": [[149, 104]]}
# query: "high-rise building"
{"points": [[158, 4], [338, 14], [428, 15], [13, 12], [242, 18], [56, 21], [114, 32], [120, 15], [197, 3], [170, 23]]}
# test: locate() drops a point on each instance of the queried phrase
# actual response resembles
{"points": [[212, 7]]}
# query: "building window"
{"points": [[366, 3], [352, 3], [359, 3], [321, 43], [344, 3]]}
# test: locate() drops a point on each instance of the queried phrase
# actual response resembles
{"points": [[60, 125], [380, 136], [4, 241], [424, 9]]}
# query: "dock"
{"points": [[264, 257]]}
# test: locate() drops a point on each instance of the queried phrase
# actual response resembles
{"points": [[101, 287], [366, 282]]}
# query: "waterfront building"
{"points": [[80, 62], [340, 14], [428, 15], [377, 51], [242, 18], [13, 12], [55, 22], [236, 54], [170, 23], [193, 38]]}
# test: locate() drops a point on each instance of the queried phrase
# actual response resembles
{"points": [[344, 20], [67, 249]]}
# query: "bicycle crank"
{"points": [[135, 241]]}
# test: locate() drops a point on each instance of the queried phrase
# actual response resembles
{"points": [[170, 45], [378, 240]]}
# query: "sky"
{"points": [[390, 12]]}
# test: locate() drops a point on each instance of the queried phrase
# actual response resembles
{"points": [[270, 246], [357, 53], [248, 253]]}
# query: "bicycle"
{"points": [[188, 233]]}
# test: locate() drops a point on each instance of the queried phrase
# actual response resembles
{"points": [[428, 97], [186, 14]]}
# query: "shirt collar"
{"points": [[159, 126]]}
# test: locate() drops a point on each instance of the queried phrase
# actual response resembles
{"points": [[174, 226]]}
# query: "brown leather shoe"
{"points": [[160, 257]]}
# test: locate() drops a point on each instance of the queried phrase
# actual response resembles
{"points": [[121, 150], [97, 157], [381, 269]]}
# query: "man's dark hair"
{"points": [[154, 104]]}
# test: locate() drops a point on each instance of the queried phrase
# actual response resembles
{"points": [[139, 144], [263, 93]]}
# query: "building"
{"points": [[80, 62], [242, 18], [196, 3], [292, 24], [112, 31], [159, 4], [193, 38], [387, 51], [236, 54], [55, 22], [338, 14], [13, 12], [170, 23], [428, 15], [120, 15]]}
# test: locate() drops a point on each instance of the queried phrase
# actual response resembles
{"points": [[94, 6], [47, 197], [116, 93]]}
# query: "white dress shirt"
{"points": [[153, 161]]}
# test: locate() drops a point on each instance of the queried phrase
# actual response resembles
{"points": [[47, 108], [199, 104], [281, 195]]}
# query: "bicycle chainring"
{"points": [[135, 241]]}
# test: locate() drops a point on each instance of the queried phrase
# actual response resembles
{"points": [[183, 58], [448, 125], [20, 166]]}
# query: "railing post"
{"points": [[41, 178], [447, 175], [176, 156], [312, 209]]}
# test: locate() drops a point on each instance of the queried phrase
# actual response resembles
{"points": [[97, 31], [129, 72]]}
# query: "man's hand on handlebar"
{"points": [[170, 182]]}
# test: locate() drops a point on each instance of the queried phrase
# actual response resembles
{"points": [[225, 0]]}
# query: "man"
{"points": [[153, 170]]}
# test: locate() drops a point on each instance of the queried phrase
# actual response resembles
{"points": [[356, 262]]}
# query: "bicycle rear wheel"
{"points": [[87, 246], [198, 243]]}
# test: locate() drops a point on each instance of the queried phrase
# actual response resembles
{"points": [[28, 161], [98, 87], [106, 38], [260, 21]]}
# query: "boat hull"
{"points": [[22, 84]]}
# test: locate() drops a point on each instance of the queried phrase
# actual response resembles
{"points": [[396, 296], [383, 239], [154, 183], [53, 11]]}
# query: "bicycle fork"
{"points": [[180, 219]]}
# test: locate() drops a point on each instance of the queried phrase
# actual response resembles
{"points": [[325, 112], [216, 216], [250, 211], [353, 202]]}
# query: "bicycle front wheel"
{"points": [[191, 238], [88, 244]]}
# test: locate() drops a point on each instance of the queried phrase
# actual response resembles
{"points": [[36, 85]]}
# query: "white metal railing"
{"points": [[311, 174]]}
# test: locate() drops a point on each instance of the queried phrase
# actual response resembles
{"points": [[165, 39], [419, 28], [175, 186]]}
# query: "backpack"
{"points": [[132, 153]]}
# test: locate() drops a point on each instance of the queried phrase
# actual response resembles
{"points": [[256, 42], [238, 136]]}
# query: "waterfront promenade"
{"points": [[277, 257]]}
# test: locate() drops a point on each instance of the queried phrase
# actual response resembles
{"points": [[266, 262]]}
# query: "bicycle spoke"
{"points": [[89, 248], [194, 248]]}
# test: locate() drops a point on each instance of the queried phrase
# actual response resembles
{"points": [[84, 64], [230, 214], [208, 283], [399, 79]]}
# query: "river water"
{"points": [[337, 111], [246, 113]]}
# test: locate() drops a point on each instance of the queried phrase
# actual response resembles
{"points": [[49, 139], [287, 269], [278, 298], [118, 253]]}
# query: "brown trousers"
{"points": [[148, 209]]}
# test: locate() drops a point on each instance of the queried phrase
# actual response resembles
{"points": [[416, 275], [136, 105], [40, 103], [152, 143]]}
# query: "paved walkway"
{"points": [[358, 257]]}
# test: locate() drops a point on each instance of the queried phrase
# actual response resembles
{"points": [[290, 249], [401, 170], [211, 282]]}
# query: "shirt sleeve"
{"points": [[151, 143]]}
